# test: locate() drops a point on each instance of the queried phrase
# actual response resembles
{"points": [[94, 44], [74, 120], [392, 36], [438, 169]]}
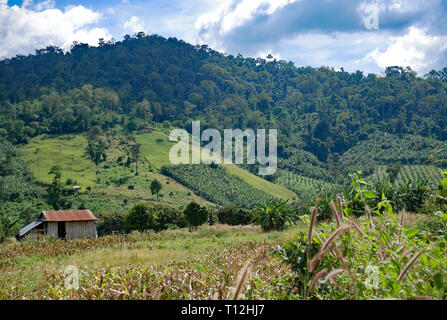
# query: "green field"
{"points": [[155, 147], [414, 172], [68, 151], [114, 187], [410, 173], [306, 188]]}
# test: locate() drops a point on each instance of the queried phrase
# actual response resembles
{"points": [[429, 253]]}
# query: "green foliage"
{"points": [[169, 217], [370, 259], [110, 223], [273, 215], [234, 216], [156, 187], [16, 181], [196, 215], [306, 188], [55, 196], [385, 148], [141, 216], [361, 194], [212, 217], [216, 185], [6, 225]]}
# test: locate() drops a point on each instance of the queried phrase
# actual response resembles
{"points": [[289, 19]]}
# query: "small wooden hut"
{"points": [[69, 224]]}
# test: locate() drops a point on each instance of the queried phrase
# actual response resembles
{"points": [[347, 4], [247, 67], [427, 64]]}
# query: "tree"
{"points": [[6, 224], [196, 215], [55, 190], [141, 216], [135, 153], [155, 187]]}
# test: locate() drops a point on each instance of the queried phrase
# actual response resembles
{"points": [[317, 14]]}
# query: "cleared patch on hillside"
{"points": [[68, 151]]}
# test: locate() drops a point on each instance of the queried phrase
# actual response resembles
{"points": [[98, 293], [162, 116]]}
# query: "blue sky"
{"points": [[365, 35]]}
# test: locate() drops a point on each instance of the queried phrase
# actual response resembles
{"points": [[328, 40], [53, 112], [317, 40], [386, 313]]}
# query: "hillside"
{"points": [[87, 108], [108, 186], [155, 147]]}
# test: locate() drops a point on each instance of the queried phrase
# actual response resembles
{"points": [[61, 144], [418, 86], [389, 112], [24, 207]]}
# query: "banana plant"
{"points": [[273, 215]]}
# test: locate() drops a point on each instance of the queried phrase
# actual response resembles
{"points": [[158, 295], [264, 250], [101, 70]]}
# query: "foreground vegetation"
{"points": [[384, 254]]}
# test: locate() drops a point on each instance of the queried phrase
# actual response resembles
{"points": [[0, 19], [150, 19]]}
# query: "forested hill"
{"points": [[143, 78]]}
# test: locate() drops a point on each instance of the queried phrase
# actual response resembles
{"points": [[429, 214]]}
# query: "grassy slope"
{"points": [[107, 194], [45, 151], [157, 153]]}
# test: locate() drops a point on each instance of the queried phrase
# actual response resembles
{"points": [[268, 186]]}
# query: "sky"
{"points": [[366, 35]]}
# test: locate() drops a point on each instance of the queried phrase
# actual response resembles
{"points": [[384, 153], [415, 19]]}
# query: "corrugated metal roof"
{"points": [[29, 227], [69, 215]]}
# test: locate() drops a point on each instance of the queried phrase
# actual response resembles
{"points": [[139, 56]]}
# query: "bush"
{"points": [[169, 217], [212, 218], [273, 215], [195, 215], [111, 223], [141, 216], [234, 216]]}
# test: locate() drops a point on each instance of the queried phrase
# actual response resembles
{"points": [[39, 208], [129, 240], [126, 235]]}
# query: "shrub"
{"points": [[273, 215], [141, 216], [195, 215], [212, 218], [110, 223], [234, 216], [369, 258], [169, 217]]}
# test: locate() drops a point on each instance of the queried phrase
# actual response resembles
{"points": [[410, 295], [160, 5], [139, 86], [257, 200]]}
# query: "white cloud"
{"points": [[235, 13], [48, 4], [416, 49], [23, 29], [134, 24]]}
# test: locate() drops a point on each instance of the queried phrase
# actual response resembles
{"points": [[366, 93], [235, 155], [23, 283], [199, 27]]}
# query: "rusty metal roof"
{"points": [[69, 215]]}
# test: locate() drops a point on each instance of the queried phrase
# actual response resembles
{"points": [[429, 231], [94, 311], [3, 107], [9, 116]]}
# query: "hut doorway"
{"points": [[61, 232]]}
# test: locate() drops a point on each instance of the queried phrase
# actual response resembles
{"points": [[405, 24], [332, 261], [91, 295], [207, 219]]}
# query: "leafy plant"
{"points": [[371, 259], [155, 187], [234, 216], [273, 215], [196, 215], [141, 217]]}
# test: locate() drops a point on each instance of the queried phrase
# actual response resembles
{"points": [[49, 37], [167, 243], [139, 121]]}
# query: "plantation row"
{"points": [[305, 163], [307, 189], [388, 148], [412, 173], [216, 185]]}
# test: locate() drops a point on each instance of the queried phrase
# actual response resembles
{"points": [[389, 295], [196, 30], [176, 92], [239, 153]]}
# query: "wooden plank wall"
{"points": [[52, 229], [80, 229]]}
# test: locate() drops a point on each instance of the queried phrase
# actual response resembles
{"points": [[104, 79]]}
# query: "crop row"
{"points": [[216, 185], [306, 188]]}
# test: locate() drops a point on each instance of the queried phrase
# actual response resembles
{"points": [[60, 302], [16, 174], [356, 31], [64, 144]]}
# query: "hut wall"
{"points": [[80, 229], [52, 229]]}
